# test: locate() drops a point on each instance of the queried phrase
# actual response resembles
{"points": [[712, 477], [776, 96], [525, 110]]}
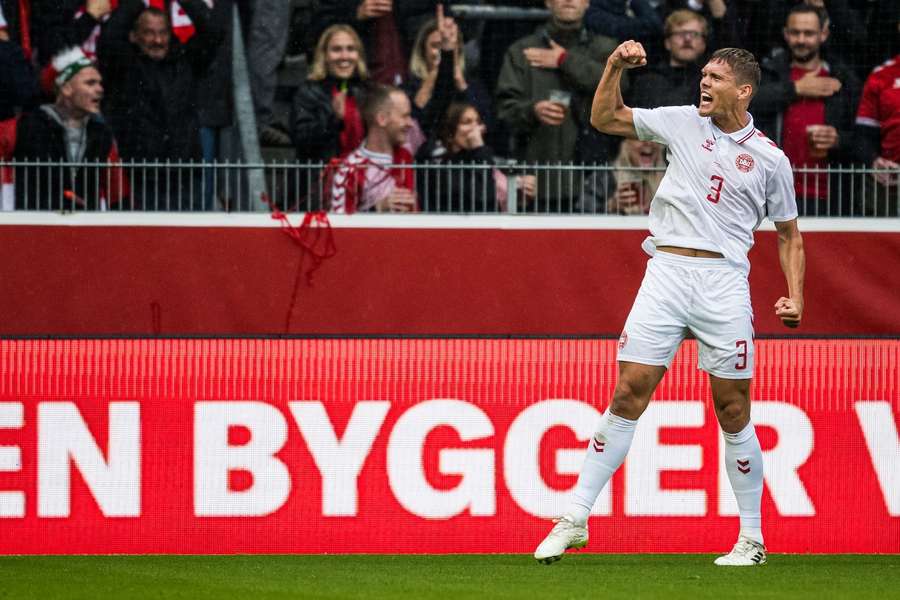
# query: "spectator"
{"points": [[152, 93], [266, 44], [639, 169], [544, 95], [467, 180], [215, 104], [674, 81], [18, 85], [848, 40], [722, 20], [807, 105], [386, 28], [878, 132], [70, 130], [325, 115], [67, 23], [429, 85], [367, 179]]}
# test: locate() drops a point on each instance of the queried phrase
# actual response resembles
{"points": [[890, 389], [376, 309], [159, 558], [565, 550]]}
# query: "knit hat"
{"points": [[63, 67]]}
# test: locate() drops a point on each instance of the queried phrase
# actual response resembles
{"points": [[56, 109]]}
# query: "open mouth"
{"points": [[646, 157], [343, 68], [705, 98]]}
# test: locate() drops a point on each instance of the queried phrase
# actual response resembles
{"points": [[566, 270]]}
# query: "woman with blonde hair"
{"points": [[639, 168], [325, 116], [437, 74]]}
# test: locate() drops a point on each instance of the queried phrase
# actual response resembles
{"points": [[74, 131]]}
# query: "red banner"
{"points": [[425, 445], [203, 280]]}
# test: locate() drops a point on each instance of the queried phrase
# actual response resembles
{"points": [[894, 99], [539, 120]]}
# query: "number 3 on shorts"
{"points": [[741, 364]]}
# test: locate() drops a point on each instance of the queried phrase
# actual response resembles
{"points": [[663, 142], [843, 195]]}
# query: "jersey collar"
{"points": [[740, 136]]}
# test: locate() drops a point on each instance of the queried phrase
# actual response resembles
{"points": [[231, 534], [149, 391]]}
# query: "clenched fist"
{"points": [[628, 55]]}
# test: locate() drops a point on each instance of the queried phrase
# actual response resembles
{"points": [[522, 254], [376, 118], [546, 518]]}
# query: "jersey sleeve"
{"points": [[867, 114], [661, 124], [781, 201]]}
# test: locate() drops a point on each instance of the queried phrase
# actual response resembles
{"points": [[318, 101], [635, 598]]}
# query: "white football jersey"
{"points": [[718, 186]]}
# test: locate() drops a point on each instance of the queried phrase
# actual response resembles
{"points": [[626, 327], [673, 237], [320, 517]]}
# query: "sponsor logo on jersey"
{"points": [[744, 163], [708, 145]]}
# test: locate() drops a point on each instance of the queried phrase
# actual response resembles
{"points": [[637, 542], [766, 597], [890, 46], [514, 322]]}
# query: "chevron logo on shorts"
{"points": [[599, 443], [743, 465]]}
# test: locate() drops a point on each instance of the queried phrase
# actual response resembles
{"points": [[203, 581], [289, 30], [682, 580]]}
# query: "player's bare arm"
{"points": [[608, 111], [793, 262]]}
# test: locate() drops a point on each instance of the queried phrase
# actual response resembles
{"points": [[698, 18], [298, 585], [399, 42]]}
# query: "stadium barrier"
{"points": [[132, 274], [425, 445], [506, 187]]}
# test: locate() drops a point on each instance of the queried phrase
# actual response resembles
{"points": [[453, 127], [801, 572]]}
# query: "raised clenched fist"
{"points": [[628, 55]]}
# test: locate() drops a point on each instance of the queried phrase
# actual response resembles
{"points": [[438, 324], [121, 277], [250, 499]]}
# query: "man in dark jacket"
{"points": [[808, 106], [544, 95], [151, 101], [68, 131]]}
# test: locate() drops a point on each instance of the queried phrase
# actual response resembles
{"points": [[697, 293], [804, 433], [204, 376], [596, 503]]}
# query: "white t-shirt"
{"points": [[718, 186]]}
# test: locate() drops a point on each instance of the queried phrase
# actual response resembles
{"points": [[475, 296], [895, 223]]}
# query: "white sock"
{"points": [[605, 453], [743, 462]]}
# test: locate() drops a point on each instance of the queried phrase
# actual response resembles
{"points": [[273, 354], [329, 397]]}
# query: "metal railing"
{"points": [[445, 188]]}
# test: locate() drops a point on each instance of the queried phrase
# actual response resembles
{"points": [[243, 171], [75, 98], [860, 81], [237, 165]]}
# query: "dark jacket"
{"points": [[467, 189], [665, 85], [315, 128], [18, 85], [611, 18], [152, 105], [521, 86], [40, 137], [777, 92]]}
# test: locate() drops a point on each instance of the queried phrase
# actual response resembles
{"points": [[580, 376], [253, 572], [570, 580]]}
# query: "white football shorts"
{"points": [[705, 296]]}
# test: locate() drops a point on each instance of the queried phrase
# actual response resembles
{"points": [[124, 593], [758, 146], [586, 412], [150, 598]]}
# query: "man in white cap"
{"points": [[68, 131]]}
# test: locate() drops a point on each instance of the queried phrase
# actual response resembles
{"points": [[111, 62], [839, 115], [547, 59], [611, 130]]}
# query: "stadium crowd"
{"points": [[389, 83]]}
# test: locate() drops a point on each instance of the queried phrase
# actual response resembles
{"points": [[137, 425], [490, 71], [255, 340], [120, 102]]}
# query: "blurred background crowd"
{"points": [[365, 87]]}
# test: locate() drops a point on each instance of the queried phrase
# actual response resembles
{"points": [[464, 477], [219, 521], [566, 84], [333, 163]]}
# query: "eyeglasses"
{"points": [[687, 35]]}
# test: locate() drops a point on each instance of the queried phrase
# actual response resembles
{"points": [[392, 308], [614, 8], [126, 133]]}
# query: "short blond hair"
{"points": [[683, 16], [318, 71]]}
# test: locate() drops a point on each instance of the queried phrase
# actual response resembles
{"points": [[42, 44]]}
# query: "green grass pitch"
{"points": [[494, 577]]}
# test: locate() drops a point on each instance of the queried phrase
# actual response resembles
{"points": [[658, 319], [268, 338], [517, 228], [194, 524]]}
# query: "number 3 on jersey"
{"points": [[715, 189]]}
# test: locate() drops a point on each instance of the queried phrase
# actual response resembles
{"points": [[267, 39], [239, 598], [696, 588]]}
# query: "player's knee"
{"points": [[629, 401], [733, 412]]}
